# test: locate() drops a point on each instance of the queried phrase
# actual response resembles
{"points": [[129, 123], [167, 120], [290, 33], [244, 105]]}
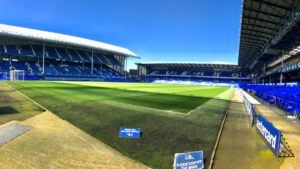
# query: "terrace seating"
{"points": [[283, 97], [81, 57], [74, 55], [225, 74], [19, 66], [38, 50], [33, 68], [63, 54], [4, 66], [55, 69], [154, 73], [51, 53], [26, 50], [50, 70], [208, 74], [57, 53], [2, 50], [113, 61], [85, 56], [106, 60], [184, 73], [12, 50]]}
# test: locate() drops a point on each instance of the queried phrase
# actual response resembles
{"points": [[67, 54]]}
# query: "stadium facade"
{"points": [[53, 56]]}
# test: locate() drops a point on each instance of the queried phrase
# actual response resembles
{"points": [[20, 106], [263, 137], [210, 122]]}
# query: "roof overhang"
{"points": [[44, 36], [268, 27]]}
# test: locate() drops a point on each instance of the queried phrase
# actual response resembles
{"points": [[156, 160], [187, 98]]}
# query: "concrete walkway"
{"points": [[9, 132], [291, 133], [240, 146], [289, 129]]}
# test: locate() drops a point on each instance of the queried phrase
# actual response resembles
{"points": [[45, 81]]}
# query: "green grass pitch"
{"points": [[173, 118]]}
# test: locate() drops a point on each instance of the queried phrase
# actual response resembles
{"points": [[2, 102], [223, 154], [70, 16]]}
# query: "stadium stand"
{"points": [[270, 49], [268, 44], [197, 72], [52, 56]]}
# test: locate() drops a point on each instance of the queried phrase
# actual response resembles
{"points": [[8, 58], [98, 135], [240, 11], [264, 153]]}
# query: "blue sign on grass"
{"points": [[271, 134], [190, 160], [130, 132]]}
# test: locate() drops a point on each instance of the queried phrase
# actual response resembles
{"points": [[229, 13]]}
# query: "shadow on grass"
{"points": [[8, 110]]}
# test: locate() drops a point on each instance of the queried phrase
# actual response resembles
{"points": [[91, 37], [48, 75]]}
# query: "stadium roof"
{"points": [[268, 27], [33, 34]]}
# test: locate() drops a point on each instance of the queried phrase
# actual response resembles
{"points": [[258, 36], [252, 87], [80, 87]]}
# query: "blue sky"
{"points": [[156, 30]]}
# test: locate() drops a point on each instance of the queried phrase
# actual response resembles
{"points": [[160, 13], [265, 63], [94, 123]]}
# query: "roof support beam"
{"points": [[251, 46], [261, 20], [255, 35], [248, 51], [255, 39], [257, 47], [292, 21], [259, 31], [273, 5], [265, 13], [252, 41], [259, 26]]}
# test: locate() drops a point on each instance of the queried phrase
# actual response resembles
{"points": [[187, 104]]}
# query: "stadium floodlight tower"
{"points": [[17, 75]]}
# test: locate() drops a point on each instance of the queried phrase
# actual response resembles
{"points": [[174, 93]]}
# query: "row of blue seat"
{"points": [[72, 70], [56, 53], [284, 97], [228, 81], [196, 73]]}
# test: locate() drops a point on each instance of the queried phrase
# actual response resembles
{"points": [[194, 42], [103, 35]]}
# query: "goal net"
{"points": [[16, 75]]}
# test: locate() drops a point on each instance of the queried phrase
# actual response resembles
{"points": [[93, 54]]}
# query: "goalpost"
{"points": [[16, 75]]}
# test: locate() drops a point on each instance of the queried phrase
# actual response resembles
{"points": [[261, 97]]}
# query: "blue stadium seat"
{"points": [[74, 55], [51, 53], [84, 55], [12, 50], [2, 50], [284, 97], [26, 50], [38, 49]]}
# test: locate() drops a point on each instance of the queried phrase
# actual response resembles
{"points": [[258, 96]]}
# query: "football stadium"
{"points": [[72, 102]]}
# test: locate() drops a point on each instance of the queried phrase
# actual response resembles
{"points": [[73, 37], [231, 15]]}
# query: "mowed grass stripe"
{"points": [[174, 89], [178, 103], [163, 135]]}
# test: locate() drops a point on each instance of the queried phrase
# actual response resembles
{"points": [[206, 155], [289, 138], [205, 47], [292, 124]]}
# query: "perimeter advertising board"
{"points": [[249, 107], [270, 134]]}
